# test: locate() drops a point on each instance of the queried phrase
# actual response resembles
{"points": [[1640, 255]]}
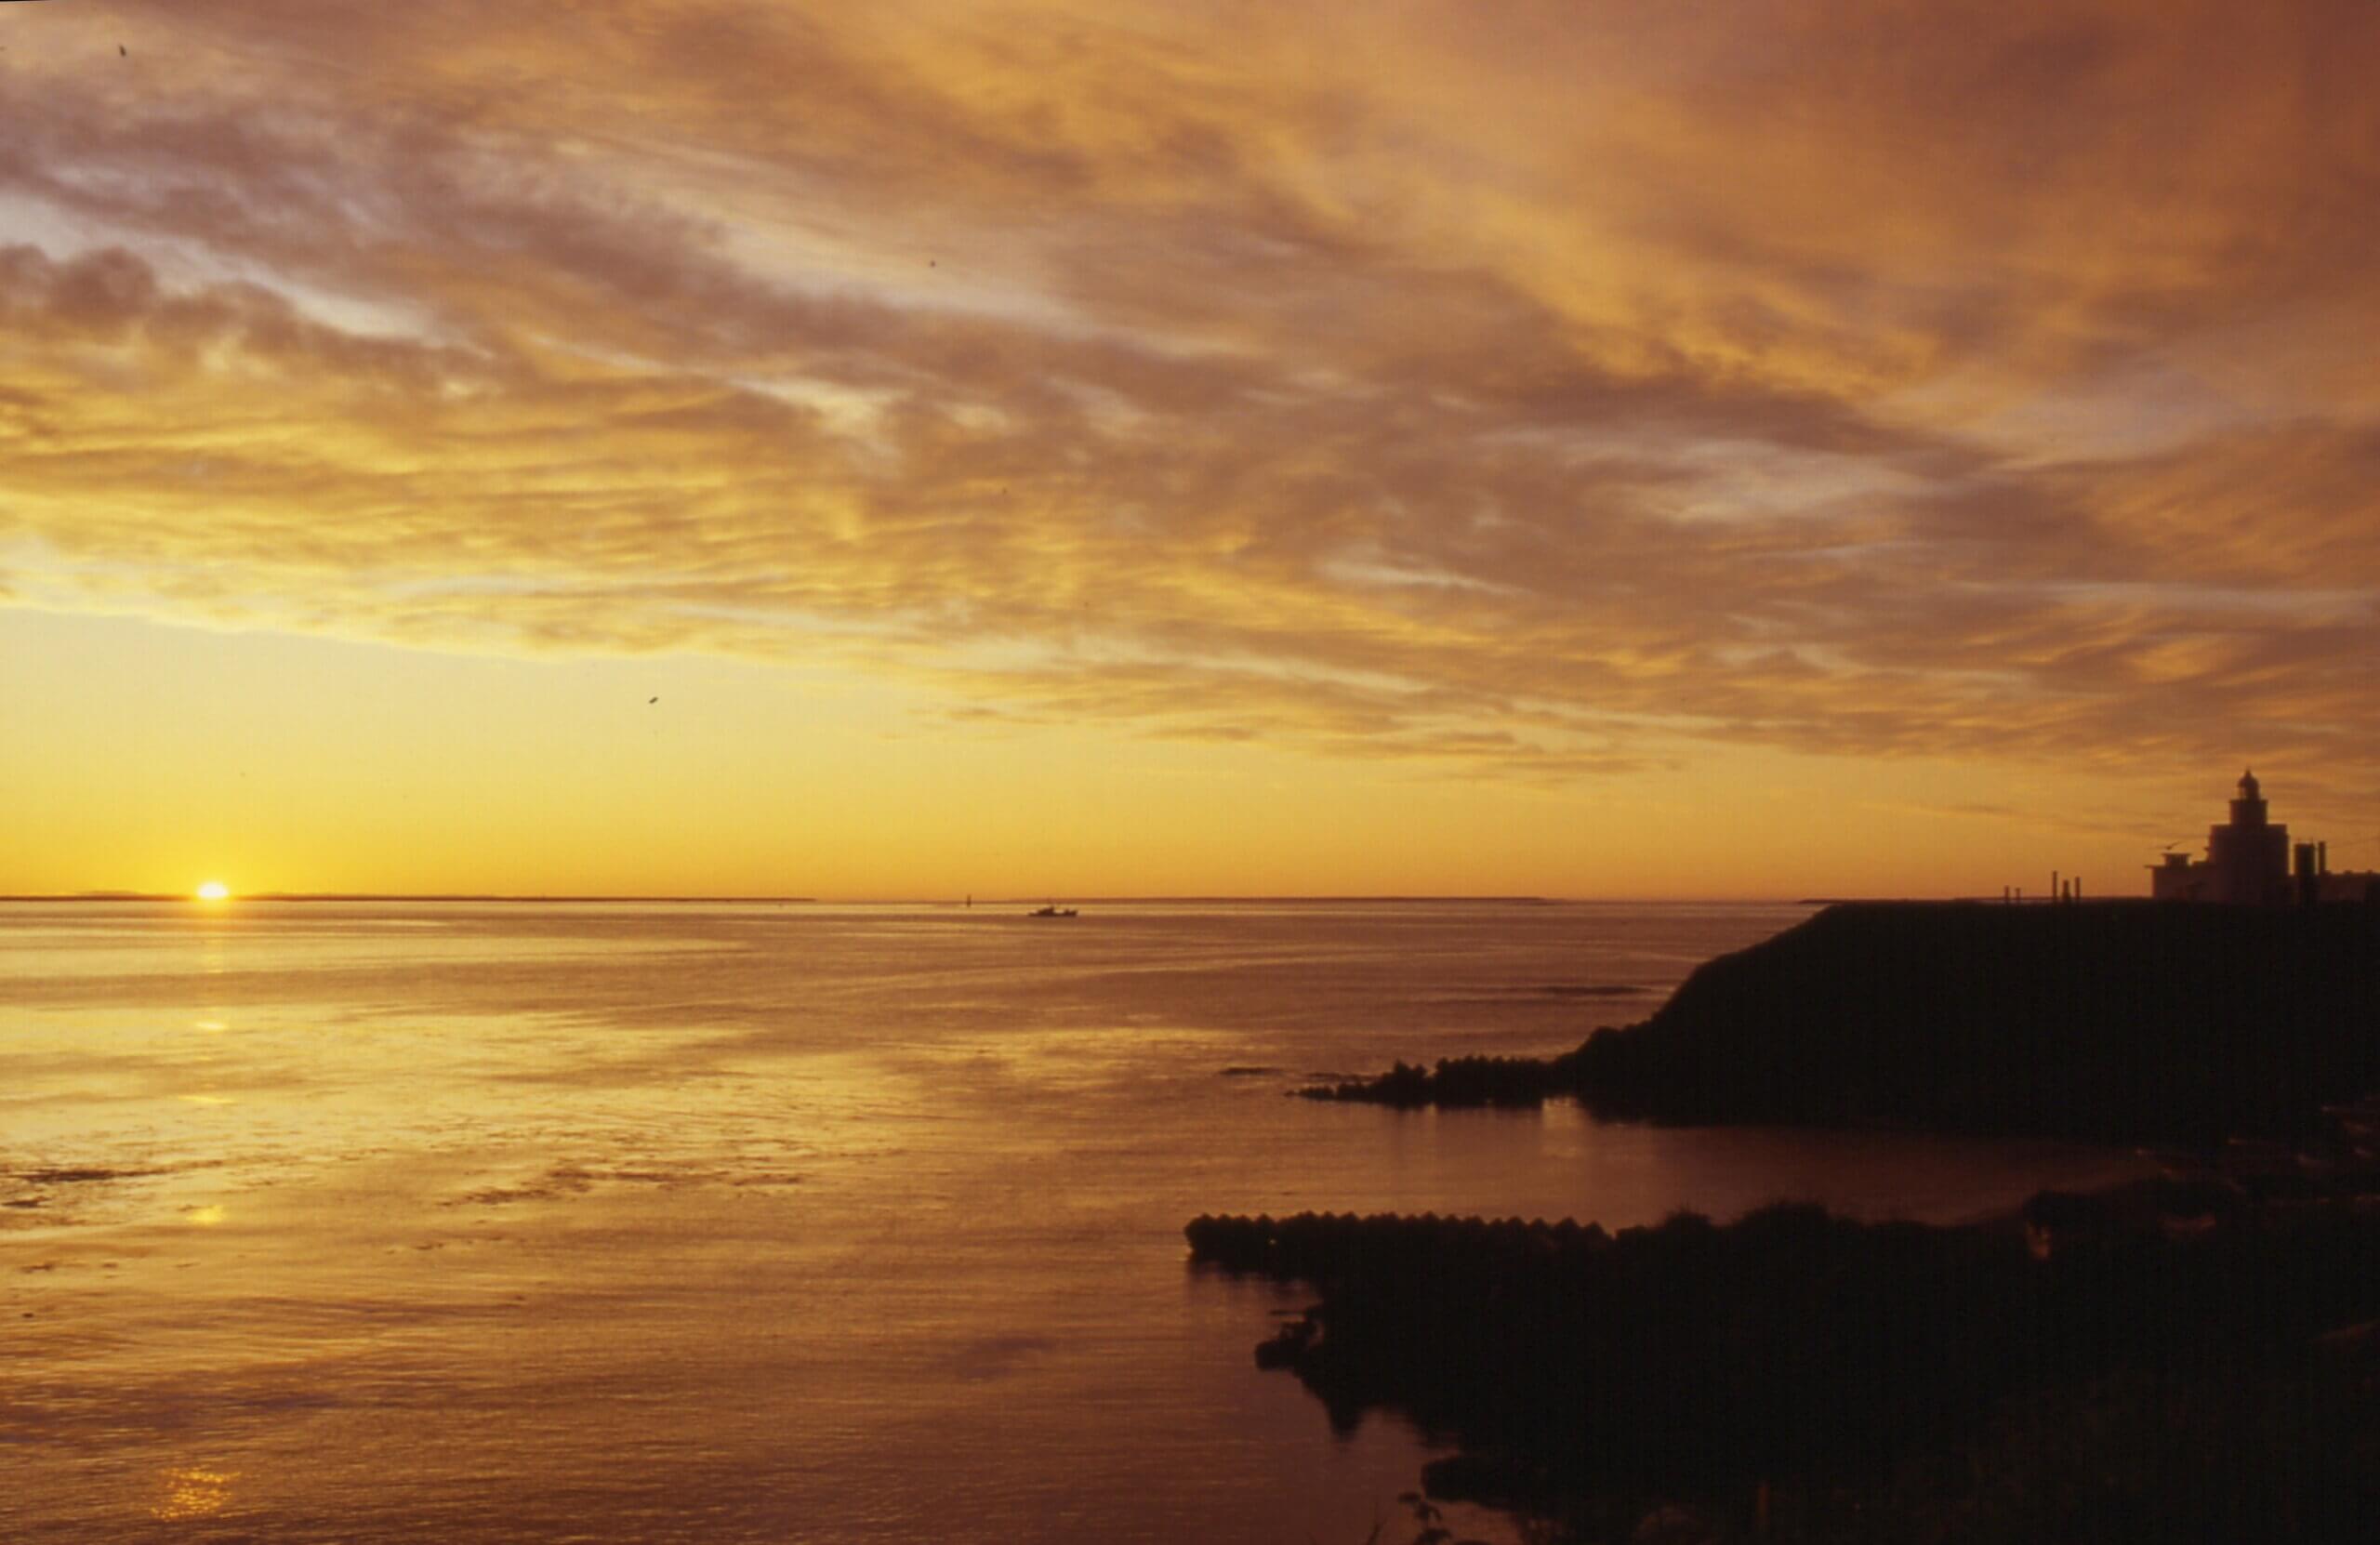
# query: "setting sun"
{"points": [[214, 890]]}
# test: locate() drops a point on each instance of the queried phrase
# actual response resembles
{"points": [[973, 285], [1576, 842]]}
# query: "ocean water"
{"points": [[465, 1223]]}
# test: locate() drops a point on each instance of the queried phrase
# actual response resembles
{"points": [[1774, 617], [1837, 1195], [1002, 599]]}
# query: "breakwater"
{"points": [[1824, 1357], [2115, 1022]]}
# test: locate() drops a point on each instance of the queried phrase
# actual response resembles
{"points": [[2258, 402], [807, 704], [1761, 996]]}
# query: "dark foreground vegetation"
{"points": [[2114, 1022], [2175, 1363]]}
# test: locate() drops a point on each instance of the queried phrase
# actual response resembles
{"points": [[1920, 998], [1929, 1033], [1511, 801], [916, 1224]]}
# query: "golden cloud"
{"points": [[1520, 389]]}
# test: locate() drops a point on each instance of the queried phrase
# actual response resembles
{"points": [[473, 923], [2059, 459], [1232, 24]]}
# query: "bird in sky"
{"points": [[649, 701]]}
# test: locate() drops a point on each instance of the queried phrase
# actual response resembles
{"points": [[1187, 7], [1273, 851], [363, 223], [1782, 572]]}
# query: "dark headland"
{"points": [[2195, 1357], [2124, 1021]]}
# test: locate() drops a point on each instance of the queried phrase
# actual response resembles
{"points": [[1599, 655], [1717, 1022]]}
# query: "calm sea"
{"points": [[774, 1223]]}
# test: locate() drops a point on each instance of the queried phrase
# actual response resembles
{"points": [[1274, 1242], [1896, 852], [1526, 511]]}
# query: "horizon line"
{"points": [[962, 900], [695, 899]]}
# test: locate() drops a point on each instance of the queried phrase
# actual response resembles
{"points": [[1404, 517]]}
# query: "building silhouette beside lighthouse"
{"points": [[2249, 862]]}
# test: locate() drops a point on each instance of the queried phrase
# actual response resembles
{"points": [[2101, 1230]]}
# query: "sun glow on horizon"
{"points": [[1161, 450], [214, 890]]}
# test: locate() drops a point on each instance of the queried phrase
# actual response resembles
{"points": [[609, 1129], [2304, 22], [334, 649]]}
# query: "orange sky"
{"points": [[1086, 446]]}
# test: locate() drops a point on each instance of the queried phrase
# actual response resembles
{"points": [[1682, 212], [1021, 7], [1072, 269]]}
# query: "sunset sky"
{"points": [[1646, 448]]}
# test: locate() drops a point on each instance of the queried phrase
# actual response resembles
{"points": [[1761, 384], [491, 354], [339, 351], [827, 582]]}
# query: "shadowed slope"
{"points": [[2117, 1022]]}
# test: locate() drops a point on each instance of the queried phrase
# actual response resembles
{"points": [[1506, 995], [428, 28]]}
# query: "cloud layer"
{"points": [[1531, 388]]}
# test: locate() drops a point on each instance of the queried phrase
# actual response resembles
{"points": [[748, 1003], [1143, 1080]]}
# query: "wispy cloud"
{"points": [[1525, 389]]}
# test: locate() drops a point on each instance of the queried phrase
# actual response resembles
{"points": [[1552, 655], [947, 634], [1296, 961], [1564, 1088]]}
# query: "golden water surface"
{"points": [[333, 1222]]}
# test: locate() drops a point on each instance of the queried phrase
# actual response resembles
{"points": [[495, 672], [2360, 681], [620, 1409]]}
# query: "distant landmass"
{"points": [[1281, 901]]}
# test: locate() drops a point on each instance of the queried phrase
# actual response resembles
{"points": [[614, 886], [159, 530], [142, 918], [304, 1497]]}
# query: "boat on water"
{"points": [[1053, 910]]}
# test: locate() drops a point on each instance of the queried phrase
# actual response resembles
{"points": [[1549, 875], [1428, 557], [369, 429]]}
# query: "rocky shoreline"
{"points": [[1797, 1374], [2193, 1357], [2125, 1022]]}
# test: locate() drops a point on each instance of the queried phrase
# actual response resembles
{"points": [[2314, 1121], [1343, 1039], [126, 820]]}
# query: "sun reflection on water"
{"points": [[511, 1153], [193, 1492]]}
